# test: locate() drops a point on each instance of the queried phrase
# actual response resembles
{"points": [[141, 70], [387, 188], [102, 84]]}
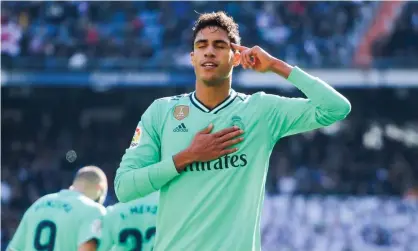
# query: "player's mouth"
{"points": [[209, 65]]}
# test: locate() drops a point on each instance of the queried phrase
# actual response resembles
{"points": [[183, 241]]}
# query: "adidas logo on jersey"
{"points": [[180, 128]]}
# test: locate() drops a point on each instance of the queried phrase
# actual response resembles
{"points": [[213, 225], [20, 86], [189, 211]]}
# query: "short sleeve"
{"points": [[107, 239], [91, 226]]}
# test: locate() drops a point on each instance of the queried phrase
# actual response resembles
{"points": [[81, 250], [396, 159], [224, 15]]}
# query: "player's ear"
{"points": [[101, 193], [192, 58], [236, 58]]}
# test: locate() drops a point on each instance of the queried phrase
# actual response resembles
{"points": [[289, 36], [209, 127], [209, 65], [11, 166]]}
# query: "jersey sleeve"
{"points": [[107, 240], [91, 226], [287, 116], [142, 171], [18, 241]]}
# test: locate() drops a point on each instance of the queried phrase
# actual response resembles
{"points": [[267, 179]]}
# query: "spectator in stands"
{"points": [[310, 33]]}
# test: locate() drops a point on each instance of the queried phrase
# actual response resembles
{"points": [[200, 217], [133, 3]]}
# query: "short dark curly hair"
{"points": [[217, 19]]}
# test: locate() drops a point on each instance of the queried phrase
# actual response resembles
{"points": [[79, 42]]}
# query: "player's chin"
{"points": [[207, 76], [211, 80]]}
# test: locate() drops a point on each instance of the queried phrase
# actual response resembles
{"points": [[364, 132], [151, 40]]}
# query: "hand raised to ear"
{"points": [[254, 58]]}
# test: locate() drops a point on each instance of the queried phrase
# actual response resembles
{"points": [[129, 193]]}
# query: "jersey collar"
{"points": [[70, 192], [216, 109]]}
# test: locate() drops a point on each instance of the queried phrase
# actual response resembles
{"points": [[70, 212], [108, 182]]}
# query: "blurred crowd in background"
{"points": [[48, 133], [112, 35], [319, 223]]}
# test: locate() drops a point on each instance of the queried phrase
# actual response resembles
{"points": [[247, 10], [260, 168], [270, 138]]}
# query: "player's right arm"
{"points": [[142, 171], [18, 242]]}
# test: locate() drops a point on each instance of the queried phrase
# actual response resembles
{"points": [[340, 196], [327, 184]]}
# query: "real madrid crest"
{"points": [[181, 112], [237, 121]]}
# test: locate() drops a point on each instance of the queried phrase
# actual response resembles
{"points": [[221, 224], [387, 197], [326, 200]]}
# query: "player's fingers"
{"points": [[228, 151], [247, 59], [207, 129], [231, 142], [225, 131], [239, 48], [230, 135], [243, 61]]}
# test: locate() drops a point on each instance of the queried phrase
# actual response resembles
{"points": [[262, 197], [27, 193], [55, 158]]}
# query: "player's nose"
{"points": [[210, 52]]}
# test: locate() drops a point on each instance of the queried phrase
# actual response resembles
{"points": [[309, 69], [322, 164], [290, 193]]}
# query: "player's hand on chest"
{"points": [[182, 128]]}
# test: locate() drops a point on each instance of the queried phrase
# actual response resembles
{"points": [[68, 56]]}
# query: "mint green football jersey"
{"points": [[216, 205], [130, 226], [59, 221]]}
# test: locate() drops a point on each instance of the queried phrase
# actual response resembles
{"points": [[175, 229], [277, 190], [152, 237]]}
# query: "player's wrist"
{"points": [[281, 68], [183, 159]]}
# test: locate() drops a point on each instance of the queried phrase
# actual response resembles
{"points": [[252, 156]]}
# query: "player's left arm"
{"points": [[90, 228], [322, 107], [106, 237]]}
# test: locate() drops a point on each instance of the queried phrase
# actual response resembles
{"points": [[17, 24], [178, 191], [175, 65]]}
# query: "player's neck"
{"points": [[80, 188], [76, 188], [211, 96]]}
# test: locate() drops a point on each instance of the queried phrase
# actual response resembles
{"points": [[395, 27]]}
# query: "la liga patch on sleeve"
{"points": [[136, 138]]}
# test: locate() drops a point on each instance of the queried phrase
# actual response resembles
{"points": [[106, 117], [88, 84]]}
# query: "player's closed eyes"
{"points": [[217, 46], [221, 45]]}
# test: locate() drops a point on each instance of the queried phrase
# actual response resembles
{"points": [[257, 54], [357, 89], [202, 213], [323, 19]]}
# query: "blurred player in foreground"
{"points": [[66, 220], [208, 151], [130, 226]]}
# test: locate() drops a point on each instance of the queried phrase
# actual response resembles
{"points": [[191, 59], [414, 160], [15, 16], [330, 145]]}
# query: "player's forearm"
{"points": [[132, 182], [322, 95]]}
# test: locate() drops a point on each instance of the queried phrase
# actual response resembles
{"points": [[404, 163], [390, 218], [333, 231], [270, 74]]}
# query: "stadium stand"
{"points": [[400, 48], [339, 224], [51, 35]]}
